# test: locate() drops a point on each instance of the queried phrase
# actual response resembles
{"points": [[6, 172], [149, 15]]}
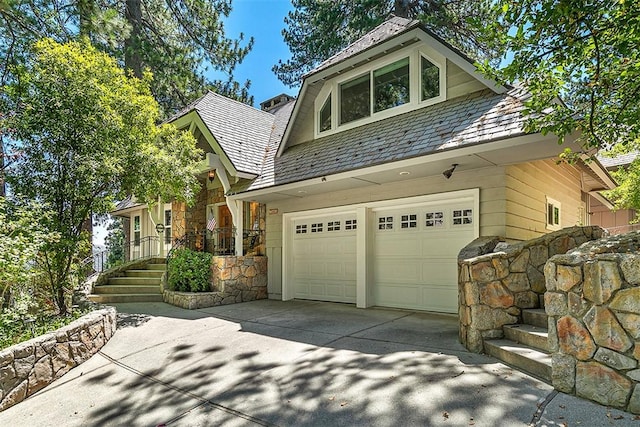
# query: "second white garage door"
{"points": [[324, 258], [415, 255]]}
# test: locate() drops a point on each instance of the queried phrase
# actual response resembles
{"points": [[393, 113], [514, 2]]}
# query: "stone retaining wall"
{"points": [[28, 367], [494, 287], [593, 303], [233, 279]]}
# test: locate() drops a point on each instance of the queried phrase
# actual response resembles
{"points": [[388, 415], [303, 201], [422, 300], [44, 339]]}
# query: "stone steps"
{"points": [[535, 317], [116, 298], [532, 336], [134, 281], [144, 273], [127, 289], [137, 285], [525, 358], [525, 345]]}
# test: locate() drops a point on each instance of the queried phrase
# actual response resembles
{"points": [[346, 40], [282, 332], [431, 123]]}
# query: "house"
{"points": [[235, 139], [395, 155], [602, 212]]}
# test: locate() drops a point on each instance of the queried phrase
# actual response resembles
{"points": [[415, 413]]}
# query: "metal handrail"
{"points": [[147, 247]]}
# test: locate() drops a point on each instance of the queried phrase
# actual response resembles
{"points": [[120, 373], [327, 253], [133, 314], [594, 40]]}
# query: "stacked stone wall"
{"points": [[233, 279], [494, 287], [28, 367], [593, 304]]}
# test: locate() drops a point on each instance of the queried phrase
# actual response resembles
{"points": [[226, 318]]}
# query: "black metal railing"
{"points": [[147, 247], [221, 241]]}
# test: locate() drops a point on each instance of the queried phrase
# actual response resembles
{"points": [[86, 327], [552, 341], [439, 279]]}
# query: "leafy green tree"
{"points": [[318, 29], [114, 243], [87, 135], [22, 238], [177, 40], [581, 63]]}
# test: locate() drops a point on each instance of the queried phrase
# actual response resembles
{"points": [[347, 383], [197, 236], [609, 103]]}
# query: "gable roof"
{"points": [[243, 132], [617, 161], [390, 28], [478, 118]]}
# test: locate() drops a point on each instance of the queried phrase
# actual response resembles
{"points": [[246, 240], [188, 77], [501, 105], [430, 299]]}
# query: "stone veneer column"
{"points": [[494, 287], [593, 303]]}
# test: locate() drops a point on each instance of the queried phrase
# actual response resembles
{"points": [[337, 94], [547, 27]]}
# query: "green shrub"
{"points": [[189, 271], [16, 327]]}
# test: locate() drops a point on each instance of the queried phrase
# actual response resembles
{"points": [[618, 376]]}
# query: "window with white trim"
{"points": [[351, 224], [301, 229], [317, 228], [167, 226], [136, 230], [430, 79], [403, 81], [553, 213], [325, 115], [391, 85], [435, 219], [462, 216], [355, 99], [409, 221], [385, 223]]}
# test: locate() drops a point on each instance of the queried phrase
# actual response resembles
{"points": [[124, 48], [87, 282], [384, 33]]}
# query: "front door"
{"points": [[225, 244]]}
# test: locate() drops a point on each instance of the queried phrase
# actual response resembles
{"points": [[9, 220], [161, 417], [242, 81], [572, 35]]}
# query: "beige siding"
{"points": [[492, 206], [459, 82], [605, 218], [528, 185], [302, 128]]}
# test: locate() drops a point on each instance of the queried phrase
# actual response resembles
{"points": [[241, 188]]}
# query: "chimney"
{"points": [[276, 101]]}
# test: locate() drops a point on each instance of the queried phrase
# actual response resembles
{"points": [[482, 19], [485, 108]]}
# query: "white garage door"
{"points": [[415, 255], [324, 258]]}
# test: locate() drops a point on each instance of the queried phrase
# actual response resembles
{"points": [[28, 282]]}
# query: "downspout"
{"points": [[235, 206]]}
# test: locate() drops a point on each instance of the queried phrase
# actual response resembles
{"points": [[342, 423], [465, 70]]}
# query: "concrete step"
{"points": [[535, 317], [162, 266], [134, 280], [527, 359], [144, 273], [127, 289], [116, 298], [533, 336]]}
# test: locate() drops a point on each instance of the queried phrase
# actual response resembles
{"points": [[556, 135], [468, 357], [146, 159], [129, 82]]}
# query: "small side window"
{"points": [[325, 115], [430, 75], [553, 214]]}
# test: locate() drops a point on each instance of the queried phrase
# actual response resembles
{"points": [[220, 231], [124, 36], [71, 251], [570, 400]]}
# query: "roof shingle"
{"points": [[242, 131], [478, 118]]}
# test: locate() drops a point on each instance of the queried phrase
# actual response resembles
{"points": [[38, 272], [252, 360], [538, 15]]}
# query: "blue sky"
{"points": [[264, 20]]}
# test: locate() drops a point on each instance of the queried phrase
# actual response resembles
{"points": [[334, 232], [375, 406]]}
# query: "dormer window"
{"points": [[410, 78], [325, 115], [430, 76], [391, 85], [355, 99]]}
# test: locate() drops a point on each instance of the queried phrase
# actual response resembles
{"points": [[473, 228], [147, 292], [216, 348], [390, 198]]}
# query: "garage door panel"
{"points": [[394, 270], [433, 273], [324, 258], [399, 296], [396, 245], [415, 254]]}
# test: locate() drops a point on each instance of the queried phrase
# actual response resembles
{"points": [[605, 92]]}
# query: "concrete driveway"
{"points": [[296, 363]]}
